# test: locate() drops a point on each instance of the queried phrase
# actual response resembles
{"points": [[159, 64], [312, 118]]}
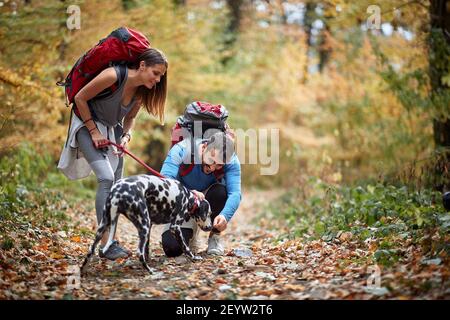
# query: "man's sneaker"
{"points": [[194, 243], [215, 246], [114, 252]]}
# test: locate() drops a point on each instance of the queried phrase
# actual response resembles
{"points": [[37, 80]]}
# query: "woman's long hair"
{"points": [[153, 99]]}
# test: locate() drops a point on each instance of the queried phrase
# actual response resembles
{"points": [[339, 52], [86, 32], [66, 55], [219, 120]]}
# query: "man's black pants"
{"points": [[216, 195]]}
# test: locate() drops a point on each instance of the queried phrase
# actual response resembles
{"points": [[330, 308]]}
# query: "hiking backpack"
{"points": [[209, 116], [121, 46]]}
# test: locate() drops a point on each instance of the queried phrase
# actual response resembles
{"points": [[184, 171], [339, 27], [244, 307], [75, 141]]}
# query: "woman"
{"points": [[144, 84]]}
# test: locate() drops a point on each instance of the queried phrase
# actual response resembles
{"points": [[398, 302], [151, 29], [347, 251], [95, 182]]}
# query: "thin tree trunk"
{"points": [[235, 7], [234, 23], [308, 21], [440, 25], [324, 46], [440, 19]]}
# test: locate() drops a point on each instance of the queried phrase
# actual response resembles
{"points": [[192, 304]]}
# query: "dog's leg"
{"points": [[147, 245], [176, 231], [143, 239], [104, 224], [143, 226], [141, 220]]}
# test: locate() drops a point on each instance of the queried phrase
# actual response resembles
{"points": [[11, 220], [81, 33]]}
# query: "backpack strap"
{"points": [[186, 168], [219, 174], [120, 79], [122, 72]]}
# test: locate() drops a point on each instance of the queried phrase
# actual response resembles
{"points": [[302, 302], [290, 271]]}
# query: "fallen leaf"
{"points": [[55, 255], [294, 287], [76, 239]]}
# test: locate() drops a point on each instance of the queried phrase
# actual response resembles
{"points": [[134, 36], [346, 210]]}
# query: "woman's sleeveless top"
{"points": [[109, 110]]}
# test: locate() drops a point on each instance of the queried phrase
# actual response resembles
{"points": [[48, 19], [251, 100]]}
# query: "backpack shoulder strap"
{"points": [[121, 77], [185, 169], [121, 71]]}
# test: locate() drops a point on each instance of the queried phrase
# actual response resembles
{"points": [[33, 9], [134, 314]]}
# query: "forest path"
{"points": [[289, 269]]}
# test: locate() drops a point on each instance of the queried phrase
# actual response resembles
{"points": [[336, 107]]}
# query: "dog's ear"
{"points": [[204, 208], [193, 201]]}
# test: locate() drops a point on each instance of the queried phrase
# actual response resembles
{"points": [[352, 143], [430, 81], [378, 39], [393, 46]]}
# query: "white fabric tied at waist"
{"points": [[72, 162]]}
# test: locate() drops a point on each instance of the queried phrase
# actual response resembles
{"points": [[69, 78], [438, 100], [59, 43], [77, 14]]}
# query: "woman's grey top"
{"points": [[109, 110]]}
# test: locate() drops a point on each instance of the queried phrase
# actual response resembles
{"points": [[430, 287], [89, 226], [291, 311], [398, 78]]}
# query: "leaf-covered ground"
{"points": [[37, 265]]}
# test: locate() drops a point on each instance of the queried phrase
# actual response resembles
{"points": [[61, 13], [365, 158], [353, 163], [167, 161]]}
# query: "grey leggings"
{"points": [[101, 166]]}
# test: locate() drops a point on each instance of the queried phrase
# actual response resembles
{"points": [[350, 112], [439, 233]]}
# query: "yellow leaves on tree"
{"points": [[29, 111]]}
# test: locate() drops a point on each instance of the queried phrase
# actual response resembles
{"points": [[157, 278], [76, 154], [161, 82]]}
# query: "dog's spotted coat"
{"points": [[146, 200]]}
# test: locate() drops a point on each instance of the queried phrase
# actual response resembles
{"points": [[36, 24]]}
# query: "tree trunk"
{"points": [[441, 133], [235, 7], [308, 21], [324, 46], [440, 26], [440, 20], [234, 23]]}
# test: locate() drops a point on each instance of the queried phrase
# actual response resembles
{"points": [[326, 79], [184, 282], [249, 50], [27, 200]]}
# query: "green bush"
{"points": [[383, 212], [23, 167], [33, 192]]}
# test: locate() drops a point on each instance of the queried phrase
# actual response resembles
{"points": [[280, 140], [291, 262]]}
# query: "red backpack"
{"points": [[123, 45], [211, 117]]}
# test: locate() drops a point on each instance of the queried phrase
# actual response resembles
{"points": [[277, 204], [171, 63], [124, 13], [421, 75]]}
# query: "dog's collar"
{"points": [[196, 204]]}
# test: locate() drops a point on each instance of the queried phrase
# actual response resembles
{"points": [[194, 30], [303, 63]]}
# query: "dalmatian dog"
{"points": [[146, 200]]}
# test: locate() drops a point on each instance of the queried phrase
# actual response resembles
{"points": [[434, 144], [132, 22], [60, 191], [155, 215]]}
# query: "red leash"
{"points": [[154, 172]]}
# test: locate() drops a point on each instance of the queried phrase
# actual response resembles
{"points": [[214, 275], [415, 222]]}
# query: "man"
{"points": [[224, 194]]}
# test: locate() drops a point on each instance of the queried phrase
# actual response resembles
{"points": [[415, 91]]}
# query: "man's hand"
{"points": [[199, 194], [220, 223]]}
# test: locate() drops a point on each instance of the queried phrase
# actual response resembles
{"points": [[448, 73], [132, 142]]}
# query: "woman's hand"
{"points": [[123, 143], [98, 139]]}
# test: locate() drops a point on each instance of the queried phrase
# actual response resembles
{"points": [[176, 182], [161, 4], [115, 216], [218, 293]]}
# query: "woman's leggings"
{"points": [[101, 166]]}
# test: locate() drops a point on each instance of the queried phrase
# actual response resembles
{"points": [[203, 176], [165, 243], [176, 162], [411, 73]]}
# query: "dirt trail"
{"points": [[293, 269], [178, 277]]}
